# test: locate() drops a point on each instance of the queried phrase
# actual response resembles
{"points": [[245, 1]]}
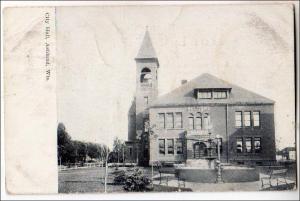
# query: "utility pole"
{"points": [[219, 173], [152, 174], [106, 172], [60, 163], [123, 156], [137, 154]]}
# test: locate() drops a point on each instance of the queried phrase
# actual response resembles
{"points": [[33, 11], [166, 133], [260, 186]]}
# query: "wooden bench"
{"points": [[275, 174], [169, 169], [165, 170]]}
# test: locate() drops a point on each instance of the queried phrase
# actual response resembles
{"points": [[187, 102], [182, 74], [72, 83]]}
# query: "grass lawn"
{"points": [[92, 181], [85, 181]]}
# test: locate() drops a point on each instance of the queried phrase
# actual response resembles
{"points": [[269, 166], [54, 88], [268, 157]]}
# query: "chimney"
{"points": [[183, 82]]}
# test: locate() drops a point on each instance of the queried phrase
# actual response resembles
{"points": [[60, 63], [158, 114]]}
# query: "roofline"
{"points": [[149, 58], [210, 104]]}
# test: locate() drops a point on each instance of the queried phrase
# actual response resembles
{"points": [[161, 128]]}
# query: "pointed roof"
{"points": [[184, 95], [146, 50]]}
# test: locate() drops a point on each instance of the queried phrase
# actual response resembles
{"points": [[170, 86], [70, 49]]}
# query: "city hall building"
{"points": [[177, 127]]}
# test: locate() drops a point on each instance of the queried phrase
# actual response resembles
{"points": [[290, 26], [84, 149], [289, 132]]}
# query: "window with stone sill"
{"points": [[248, 145], [256, 118], [170, 143], [161, 147], [161, 120], [170, 120], [257, 145], [179, 146], [247, 119], [198, 121], [238, 119], [206, 121], [191, 122], [178, 120], [239, 145]]}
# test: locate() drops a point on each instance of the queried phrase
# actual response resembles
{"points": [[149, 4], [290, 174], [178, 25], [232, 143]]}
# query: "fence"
{"points": [[74, 166]]}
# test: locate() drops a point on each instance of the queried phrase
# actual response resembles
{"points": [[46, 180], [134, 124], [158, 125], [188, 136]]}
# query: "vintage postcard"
{"points": [[150, 98]]}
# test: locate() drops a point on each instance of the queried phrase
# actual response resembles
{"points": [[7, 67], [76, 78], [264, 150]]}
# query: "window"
{"points": [[239, 145], [248, 145], [247, 119], [220, 94], [161, 120], [179, 146], [178, 120], [198, 123], [146, 100], [191, 122], [162, 146], [204, 94], [170, 146], [238, 119], [257, 145], [256, 119], [146, 76], [146, 125], [130, 151], [170, 120], [206, 123]]}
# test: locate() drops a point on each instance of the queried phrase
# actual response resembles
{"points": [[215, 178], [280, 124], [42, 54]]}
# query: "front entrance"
{"points": [[199, 150]]}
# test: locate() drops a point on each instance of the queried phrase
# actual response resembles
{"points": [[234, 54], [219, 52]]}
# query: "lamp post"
{"points": [[219, 173], [138, 137], [151, 133], [123, 156], [106, 172]]}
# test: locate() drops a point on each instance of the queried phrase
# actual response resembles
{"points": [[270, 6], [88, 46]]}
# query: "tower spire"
{"points": [[146, 50]]}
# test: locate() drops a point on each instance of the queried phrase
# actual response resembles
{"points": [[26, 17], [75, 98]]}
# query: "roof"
{"points": [[146, 50], [184, 95]]}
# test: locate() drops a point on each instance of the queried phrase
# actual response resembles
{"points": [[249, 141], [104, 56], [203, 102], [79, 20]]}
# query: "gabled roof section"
{"points": [[146, 50], [184, 95]]}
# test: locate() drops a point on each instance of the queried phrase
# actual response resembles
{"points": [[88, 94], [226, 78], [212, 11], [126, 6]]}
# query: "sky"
{"points": [[250, 46]]}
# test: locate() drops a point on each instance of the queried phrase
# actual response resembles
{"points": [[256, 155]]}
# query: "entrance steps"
{"points": [[201, 163]]}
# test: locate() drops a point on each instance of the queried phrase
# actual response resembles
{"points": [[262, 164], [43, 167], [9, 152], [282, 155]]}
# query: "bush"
{"points": [[136, 181], [120, 177]]}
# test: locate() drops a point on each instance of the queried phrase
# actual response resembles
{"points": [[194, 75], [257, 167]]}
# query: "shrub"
{"points": [[136, 181], [120, 177]]}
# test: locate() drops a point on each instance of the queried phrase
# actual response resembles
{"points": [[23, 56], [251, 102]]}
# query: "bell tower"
{"points": [[146, 77], [146, 91]]}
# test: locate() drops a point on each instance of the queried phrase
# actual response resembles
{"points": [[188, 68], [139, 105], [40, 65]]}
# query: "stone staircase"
{"points": [[201, 163]]}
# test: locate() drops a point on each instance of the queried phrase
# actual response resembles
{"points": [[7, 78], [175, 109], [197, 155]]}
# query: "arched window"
{"points": [[146, 76], [200, 150], [191, 122], [198, 121], [206, 121]]}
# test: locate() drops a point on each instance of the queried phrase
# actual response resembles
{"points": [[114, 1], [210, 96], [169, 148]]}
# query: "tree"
{"points": [[93, 151], [64, 145], [80, 151], [118, 147], [71, 151], [104, 152]]}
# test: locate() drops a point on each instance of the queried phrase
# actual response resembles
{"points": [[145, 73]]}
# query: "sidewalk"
{"points": [[218, 187]]}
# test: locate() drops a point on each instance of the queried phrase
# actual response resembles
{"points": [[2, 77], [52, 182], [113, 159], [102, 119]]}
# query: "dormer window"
{"points": [[204, 94], [220, 94], [211, 93]]}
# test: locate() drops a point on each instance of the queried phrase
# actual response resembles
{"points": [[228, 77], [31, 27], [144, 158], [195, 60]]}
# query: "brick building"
{"points": [[176, 127]]}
